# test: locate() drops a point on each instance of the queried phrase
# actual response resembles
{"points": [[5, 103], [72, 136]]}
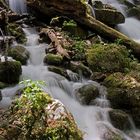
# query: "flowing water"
{"points": [[92, 120], [18, 6]]}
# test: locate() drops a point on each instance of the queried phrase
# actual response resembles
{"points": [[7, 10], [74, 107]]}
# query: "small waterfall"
{"points": [[18, 6]]}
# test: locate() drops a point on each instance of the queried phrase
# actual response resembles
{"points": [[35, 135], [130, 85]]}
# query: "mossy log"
{"points": [[77, 10]]}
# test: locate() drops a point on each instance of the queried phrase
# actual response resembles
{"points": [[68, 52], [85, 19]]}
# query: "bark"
{"points": [[56, 42], [78, 11]]}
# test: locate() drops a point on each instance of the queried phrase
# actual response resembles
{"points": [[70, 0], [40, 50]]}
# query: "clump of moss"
{"points": [[19, 53], [10, 72], [53, 59], [108, 58], [16, 31]]}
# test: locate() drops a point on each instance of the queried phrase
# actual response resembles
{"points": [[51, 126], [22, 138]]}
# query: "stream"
{"points": [[92, 120]]}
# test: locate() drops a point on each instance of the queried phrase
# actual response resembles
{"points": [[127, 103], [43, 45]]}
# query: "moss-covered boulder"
{"points": [[80, 68], [108, 58], [19, 53], [53, 59], [37, 116], [10, 72], [59, 70], [124, 93], [16, 31], [3, 85], [120, 119], [87, 94]]}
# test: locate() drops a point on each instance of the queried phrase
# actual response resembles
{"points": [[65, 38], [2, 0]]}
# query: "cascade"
{"points": [[18, 6], [92, 120]]}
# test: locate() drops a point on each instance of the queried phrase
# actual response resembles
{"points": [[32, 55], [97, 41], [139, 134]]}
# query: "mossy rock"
{"points": [[53, 59], [16, 31], [87, 94], [10, 72], [3, 85], [120, 80], [43, 118], [19, 53], [59, 70], [80, 68], [108, 58], [124, 98], [135, 113], [120, 119]]}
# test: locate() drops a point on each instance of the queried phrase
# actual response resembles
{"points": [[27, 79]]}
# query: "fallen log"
{"points": [[78, 11]]}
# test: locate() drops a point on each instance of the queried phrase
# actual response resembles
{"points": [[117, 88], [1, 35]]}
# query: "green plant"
{"points": [[118, 41], [79, 50]]}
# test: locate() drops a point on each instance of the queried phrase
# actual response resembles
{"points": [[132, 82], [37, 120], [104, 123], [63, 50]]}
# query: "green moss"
{"points": [[53, 59], [120, 119], [3, 85], [19, 53], [108, 58], [16, 31], [10, 72]]}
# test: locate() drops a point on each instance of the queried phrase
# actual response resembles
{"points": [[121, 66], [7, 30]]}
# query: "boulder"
{"points": [[108, 58], [19, 53], [59, 70], [120, 119], [16, 31], [87, 94], [10, 72], [80, 68], [107, 14], [124, 93], [42, 118], [53, 59], [3, 85]]}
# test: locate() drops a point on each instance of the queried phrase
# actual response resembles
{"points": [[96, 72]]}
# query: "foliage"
{"points": [[69, 23], [79, 50], [35, 116]]}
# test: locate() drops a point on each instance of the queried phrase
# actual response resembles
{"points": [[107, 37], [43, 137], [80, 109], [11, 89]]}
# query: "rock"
{"points": [[108, 58], [42, 118], [98, 76], [10, 72], [53, 59], [0, 96], [19, 53], [16, 31], [124, 93], [107, 14], [135, 113], [120, 119], [2, 85], [80, 68], [87, 94], [59, 70], [43, 36]]}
